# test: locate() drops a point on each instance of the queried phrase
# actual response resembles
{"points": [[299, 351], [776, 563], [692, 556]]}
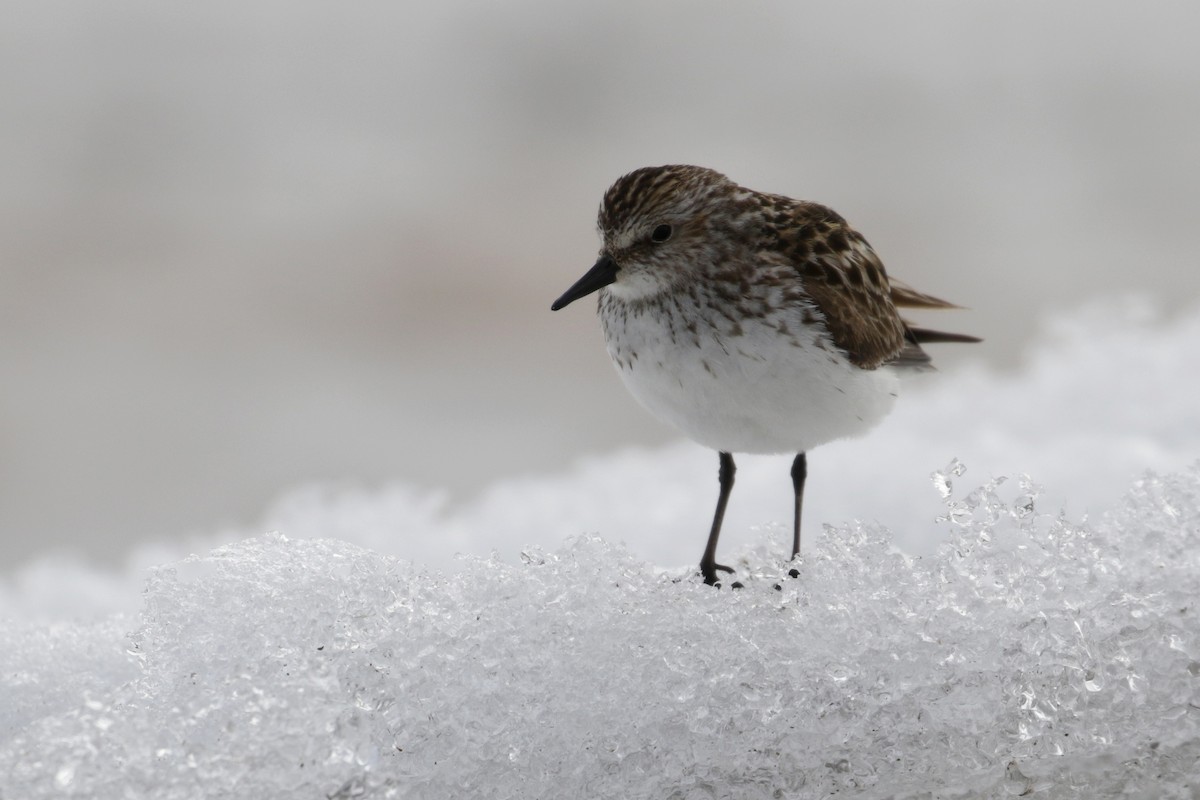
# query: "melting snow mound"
{"points": [[1030, 656]]}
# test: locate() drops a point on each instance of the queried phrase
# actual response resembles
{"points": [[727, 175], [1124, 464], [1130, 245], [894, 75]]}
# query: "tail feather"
{"points": [[926, 336], [912, 356], [904, 296]]}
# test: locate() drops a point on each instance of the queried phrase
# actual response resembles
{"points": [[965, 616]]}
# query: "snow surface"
{"points": [[999, 646], [1029, 655]]}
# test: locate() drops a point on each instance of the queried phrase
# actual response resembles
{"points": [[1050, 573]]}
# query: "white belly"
{"points": [[763, 391]]}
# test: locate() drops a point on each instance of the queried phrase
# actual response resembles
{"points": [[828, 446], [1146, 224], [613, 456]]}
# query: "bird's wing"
{"points": [[845, 279], [851, 289]]}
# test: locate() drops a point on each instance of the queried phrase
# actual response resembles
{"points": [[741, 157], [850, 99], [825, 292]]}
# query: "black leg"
{"points": [[799, 473], [708, 563]]}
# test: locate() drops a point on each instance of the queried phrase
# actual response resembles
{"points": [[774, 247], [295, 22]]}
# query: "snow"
{"points": [[965, 637], [1029, 653]]}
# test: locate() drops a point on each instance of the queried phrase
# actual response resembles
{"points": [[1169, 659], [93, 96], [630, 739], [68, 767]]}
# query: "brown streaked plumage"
{"points": [[841, 274], [752, 322]]}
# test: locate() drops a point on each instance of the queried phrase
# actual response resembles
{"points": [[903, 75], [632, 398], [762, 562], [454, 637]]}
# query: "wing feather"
{"points": [[850, 288], [844, 278]]}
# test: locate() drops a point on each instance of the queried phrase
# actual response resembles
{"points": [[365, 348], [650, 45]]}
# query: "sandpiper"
{"points": [[752, 322]]}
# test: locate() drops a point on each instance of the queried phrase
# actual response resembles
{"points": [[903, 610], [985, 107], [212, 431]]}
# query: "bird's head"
{"points": [[657, 226]]}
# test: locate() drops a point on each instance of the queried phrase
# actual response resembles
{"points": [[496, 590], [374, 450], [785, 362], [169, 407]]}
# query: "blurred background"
{"points": [[245, 246]]}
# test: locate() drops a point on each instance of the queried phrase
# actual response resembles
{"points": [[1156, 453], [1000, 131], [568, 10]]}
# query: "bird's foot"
{"points": [[709, 571]]}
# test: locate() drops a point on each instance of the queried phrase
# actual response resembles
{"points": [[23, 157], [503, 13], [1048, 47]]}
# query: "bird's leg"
{"points": [[708, 563], [799, 473]]}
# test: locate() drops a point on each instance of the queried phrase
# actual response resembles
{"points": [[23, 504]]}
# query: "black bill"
{"points": [[599, 276]]}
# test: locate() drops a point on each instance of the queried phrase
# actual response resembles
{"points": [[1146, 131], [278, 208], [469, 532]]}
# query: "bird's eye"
{"points": [[661, 234]]}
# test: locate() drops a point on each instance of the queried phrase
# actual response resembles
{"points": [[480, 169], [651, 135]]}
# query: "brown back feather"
{"points": [[843, 277], [850, 287]]}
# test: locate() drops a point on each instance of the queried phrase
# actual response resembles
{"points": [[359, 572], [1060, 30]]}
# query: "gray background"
{"points": [[248, 245]]}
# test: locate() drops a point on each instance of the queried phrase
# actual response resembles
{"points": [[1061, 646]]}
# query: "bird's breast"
{"points": [[751, 377]]}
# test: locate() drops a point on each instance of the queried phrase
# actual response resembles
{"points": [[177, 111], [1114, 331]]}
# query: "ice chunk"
{"points": [[943, 478], [1032, 655]]}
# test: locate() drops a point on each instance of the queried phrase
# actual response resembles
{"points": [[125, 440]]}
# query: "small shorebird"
{"points": [[752, 322]]}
